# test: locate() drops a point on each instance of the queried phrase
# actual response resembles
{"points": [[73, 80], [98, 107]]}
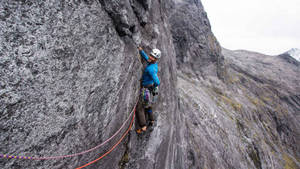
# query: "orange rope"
{"points": [[112, 147], [72, 155]]}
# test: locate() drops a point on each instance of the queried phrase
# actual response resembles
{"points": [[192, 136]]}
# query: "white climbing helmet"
{"points": [[156, 53]]}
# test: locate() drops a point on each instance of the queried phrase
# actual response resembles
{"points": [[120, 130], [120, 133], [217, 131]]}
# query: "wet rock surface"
{"points": [[69, 77]]}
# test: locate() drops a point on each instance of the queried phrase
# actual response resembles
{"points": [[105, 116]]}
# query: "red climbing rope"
{"points": [[87, 164], [72, 155]]}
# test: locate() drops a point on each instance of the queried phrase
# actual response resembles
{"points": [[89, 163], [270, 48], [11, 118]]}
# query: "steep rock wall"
{"points": [[198, 52], [249, 122], [70, 77]]}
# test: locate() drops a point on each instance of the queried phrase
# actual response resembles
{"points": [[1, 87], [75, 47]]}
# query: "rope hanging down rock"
{"points": [[87, 164], [81, 153]]}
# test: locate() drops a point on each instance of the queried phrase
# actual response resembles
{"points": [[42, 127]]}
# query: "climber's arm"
{"points": [[143, 54]]}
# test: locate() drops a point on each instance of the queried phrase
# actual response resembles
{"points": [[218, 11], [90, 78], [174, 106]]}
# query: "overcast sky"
{"points": [[267, 26]]}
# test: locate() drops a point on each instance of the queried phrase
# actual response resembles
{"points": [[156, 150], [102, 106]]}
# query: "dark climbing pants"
{"points": [[143, 112]]}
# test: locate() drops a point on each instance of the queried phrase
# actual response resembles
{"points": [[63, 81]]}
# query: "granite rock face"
{"points": [[198, 52], [251, 121], [69, 78], [248, 117], [69, 74]]}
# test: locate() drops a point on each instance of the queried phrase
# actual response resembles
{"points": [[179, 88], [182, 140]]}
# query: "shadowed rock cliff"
{"points": [[198, 52], [70, 76]]}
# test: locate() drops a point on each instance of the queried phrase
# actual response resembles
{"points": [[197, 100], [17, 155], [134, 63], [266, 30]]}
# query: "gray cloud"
{"points": [[267, 26]]}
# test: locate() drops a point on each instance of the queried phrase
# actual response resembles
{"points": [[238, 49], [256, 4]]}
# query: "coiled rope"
{"points": [[81, 153]]}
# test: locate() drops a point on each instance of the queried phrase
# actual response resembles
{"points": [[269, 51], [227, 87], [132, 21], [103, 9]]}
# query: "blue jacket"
{"points": [[150, 73]]}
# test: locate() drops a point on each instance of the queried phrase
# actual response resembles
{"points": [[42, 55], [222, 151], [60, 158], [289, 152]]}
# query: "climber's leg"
{"points": [[140, 118], [150, 115]]}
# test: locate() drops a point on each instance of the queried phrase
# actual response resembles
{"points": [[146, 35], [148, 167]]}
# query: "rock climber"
{"points": [[149, 89]]}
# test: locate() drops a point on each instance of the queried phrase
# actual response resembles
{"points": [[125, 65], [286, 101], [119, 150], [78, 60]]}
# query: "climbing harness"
{"points": [[146, 97], [81, 153], [149, 97]]}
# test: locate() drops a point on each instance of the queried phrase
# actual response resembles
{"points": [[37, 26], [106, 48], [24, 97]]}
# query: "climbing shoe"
{"points": [[141, 130], [151, 123]]}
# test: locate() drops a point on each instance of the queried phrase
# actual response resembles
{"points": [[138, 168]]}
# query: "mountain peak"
{"points": [[295, 53]]}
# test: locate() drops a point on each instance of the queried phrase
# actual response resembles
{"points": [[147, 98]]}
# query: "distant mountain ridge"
{"points": [[295, 53], [291, 56]]}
